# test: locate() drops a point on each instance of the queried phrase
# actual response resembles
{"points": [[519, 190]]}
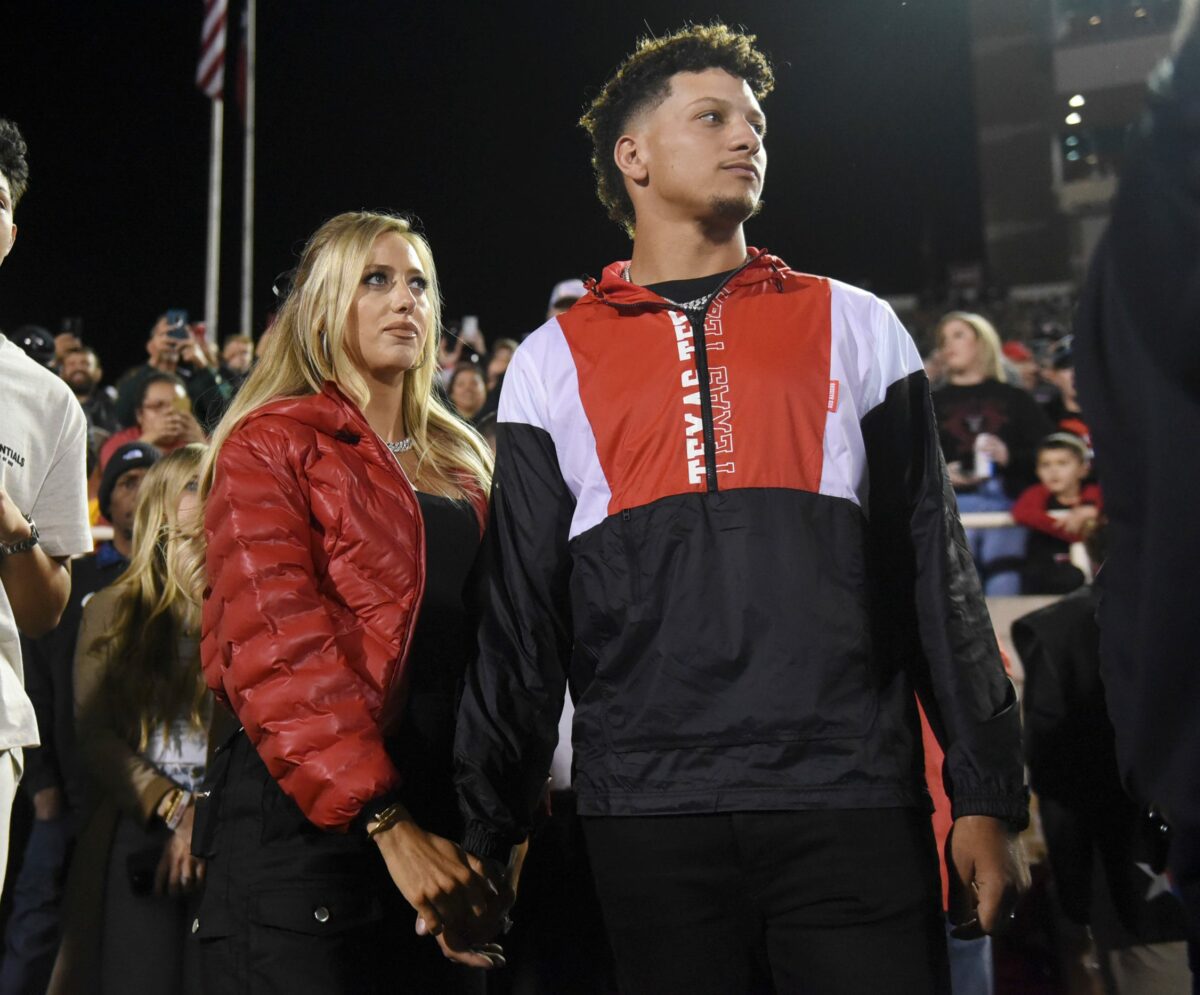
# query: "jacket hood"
{"points": [[614, 289]]}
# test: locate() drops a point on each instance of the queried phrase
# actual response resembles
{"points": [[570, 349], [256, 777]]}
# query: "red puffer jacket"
{"points": [[316, 568]]}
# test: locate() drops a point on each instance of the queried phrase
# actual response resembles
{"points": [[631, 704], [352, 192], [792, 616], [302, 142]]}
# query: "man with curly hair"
{"points": [[43, 503], [721, 515]]}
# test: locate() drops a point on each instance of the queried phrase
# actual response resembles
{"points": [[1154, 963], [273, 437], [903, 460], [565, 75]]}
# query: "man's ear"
{"points": [[628, 156], [12, 240]]}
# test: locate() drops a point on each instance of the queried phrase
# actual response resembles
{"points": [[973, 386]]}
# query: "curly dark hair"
{"points": [[13, 163], [643, 81]]}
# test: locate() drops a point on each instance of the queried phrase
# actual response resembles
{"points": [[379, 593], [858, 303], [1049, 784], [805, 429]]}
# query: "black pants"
{"points": [[832, 902], [288, 908]]}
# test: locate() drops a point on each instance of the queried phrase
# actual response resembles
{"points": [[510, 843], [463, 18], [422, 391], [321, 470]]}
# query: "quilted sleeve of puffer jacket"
{"points": [[269, 647]]}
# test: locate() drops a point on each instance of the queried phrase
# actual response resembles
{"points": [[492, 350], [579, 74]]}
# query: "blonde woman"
{"points": [[989, 432], [146, 723], [343, 511]]}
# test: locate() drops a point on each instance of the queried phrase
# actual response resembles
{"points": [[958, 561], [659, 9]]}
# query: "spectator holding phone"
{"points": [[163, 416], [145, 724], [173, 348]]}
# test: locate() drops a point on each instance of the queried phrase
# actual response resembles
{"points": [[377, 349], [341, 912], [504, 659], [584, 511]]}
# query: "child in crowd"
{"points": [[1062, 468]]}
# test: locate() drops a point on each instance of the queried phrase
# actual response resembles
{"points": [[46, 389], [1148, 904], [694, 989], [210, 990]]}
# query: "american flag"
{"points": [[210, 74]]}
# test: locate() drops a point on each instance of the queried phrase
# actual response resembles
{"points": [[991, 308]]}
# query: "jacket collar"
{"points": [[614, 289]]}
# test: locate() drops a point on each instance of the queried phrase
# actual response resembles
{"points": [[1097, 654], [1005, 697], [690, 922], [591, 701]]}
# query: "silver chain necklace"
{"points": [[402, 446]]}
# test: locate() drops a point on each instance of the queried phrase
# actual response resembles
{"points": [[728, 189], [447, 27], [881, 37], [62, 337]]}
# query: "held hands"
{"points": [[988, 874], [178, 872], [454, 897]]}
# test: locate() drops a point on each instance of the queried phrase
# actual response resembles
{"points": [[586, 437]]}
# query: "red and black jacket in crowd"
{"points": [[737, 543], [316, 568]]}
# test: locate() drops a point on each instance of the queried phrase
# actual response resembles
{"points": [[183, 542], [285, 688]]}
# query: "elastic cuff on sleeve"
{"points": [[1011, 810], [482, 842]]}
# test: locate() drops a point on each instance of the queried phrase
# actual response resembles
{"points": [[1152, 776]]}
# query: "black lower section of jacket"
{"points": [[718, 667], [749, 649]]}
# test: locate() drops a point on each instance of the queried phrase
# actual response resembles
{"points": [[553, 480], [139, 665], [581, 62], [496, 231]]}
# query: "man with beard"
{"points": [[81, 370], [720, 511], [52, 777]]}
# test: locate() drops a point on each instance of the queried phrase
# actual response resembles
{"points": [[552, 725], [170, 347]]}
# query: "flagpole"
{"points": [[246, 316], [212, 270]]}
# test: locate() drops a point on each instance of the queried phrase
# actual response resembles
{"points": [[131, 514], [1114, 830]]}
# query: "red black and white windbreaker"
{"points": [[738, 545]]}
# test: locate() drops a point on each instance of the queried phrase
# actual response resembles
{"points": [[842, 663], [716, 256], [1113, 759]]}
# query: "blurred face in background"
{"points": [[960, 349], [238, 355], [1061, 471], [497, 366], [123, 502], [189, 502], [163, 400], [468, 392], [81, 370]]}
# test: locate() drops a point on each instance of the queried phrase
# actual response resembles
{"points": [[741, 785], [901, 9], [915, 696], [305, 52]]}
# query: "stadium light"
{"points": [[1074, 119], [1077, 101]]}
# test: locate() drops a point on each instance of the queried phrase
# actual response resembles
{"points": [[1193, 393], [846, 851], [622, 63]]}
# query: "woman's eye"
{"points": [[419, 284], [376, 279]]}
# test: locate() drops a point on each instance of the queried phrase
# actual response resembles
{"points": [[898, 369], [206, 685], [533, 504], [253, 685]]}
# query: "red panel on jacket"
{"points": [[770, 385]]}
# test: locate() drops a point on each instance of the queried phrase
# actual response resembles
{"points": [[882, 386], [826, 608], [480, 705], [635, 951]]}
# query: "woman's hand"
{"points": [[178, 872], [449, 896], [995, 448]]}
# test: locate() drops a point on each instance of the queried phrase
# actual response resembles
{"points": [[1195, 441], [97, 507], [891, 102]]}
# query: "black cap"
{"points": [[37, 342], [130, 456]]}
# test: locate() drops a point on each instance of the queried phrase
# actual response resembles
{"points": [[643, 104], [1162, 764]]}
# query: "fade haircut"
{"points": [[13, 162], [643, 81]]}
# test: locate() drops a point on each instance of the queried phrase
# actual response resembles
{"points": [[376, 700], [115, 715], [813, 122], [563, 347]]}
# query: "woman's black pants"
{"points": [[289, 908]]}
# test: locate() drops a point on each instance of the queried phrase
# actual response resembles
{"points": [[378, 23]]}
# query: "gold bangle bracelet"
{"points": [[385, 819]]}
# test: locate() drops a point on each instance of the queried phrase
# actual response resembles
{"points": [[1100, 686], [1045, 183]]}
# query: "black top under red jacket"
{"points": [[741, 550]]}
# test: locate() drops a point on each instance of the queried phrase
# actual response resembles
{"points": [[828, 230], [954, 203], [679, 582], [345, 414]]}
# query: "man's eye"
{"points": [[760, 128]]}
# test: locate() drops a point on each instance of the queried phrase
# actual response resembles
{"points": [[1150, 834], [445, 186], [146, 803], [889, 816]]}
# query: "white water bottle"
{"points": [[984, 467]]}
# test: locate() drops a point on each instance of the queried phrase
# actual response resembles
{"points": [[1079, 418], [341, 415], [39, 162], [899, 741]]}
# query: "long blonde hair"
{"points": [[305, 348], [155, 605], [985, 334]]}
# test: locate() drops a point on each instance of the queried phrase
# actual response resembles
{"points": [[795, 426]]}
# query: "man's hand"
{"points": [[438, 881], [988, 874], [192, 353], [48, 804]]}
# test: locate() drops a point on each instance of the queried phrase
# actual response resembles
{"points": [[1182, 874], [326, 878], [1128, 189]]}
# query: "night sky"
{"points": [[464, 115]]}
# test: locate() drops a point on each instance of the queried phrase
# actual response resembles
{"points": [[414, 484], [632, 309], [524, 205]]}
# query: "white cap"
{"points": [[567, 288]]}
